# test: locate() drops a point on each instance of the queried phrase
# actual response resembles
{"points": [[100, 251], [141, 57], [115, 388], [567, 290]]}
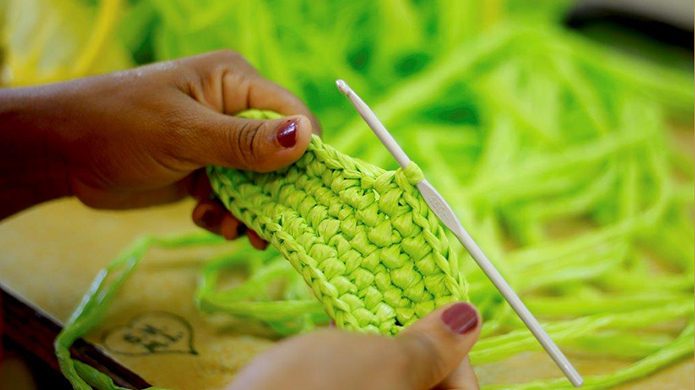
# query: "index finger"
{"points": [[253, 91]]}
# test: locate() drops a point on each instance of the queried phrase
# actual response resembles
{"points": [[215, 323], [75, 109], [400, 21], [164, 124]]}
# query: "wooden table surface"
{"points": [[51, 254]]}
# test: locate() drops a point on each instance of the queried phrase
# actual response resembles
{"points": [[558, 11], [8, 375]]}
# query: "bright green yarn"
{"points": [[362, 238]]}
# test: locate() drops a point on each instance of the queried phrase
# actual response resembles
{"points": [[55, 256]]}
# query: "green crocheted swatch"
{"points": [[363, 238]]}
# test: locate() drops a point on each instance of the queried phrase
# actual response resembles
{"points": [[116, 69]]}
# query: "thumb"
{"points": [[437, 344], [252, 144]]}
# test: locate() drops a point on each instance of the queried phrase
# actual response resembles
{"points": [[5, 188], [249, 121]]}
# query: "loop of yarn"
{"points": [[413, 173], [363, 238]]}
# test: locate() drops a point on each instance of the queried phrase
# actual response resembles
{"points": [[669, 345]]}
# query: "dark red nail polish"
{"points": [[460, 318], [287, 134], [210, 219]]}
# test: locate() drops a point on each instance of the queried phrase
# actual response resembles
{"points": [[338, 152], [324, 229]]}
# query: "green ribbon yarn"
{"points": [[362, 238]]}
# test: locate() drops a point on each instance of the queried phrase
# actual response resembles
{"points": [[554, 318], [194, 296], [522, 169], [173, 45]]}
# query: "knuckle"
{"points": [[228, 55], [243, 143], [239, 80], [236, 60], [215, 59], [242, 83]]}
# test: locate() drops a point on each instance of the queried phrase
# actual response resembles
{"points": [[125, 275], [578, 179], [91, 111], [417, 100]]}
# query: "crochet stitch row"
{"points": [[362, 238]]}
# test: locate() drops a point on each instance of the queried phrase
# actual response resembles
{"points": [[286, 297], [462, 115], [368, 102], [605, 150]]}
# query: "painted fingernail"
{"points": [[460, 318], [209, 219], [287, 134]]}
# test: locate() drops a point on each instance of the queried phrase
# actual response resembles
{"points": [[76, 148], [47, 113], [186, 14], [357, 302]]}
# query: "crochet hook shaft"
{"points": [[442, 209]]}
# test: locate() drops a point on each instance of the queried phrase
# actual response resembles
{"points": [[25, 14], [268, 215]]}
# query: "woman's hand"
{"points": [[140, 137], [432, 353]]}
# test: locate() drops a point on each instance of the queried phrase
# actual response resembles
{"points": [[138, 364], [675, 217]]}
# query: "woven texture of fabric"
{"points": [[363, 238]]}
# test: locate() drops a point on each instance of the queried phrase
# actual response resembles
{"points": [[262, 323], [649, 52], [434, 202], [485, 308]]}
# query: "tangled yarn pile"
{"points": [[362, 238]]}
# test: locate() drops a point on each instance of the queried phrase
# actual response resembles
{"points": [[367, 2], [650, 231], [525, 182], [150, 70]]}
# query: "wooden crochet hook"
{"points": [[442, 209]]}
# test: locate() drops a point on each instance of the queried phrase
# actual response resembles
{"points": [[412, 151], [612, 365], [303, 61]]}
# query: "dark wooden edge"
{"points": [[35, 333]]}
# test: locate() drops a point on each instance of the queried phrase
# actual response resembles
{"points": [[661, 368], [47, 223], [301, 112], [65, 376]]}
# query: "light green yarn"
{"points": [[362, 238], [413, 173]]}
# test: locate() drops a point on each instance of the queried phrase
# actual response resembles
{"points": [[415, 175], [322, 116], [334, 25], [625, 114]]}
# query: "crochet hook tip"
{"points": [[343, 87], [374, 123]]}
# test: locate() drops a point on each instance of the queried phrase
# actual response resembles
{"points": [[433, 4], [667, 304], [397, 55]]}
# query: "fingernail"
{"points": [[229, 228], [209, 219], [460, 318], [287, 134]]}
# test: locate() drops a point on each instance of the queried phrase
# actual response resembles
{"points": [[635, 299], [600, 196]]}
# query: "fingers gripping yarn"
{"points": [[362, 238]]}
